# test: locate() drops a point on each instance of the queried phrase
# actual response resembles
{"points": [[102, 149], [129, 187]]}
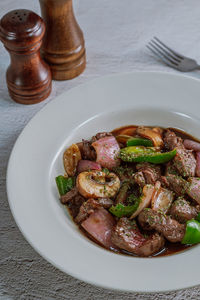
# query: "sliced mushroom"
{"points": [[162, 198], [71, 157], [145, 201], [97, 184], [153, 135]]}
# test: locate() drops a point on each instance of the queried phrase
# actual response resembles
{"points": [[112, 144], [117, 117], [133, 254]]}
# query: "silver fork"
{"points": [[171, 57]]}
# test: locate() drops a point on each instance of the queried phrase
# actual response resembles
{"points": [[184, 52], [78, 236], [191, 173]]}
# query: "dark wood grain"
{"points": [[63, 46], [28, 76]]}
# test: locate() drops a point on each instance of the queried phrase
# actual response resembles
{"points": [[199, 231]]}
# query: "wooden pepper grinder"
{"points": [[63, 46], [28, 76]]}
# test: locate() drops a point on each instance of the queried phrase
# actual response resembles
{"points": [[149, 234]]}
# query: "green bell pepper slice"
{"points": [[121, 210], [192, 232], [143, 154], [64, 184], [136, 141]]}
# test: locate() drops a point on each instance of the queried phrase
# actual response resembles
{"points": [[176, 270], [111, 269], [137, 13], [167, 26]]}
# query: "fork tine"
{"points": [[172, 51], [163, 54], [173, 57], [167, 62]]}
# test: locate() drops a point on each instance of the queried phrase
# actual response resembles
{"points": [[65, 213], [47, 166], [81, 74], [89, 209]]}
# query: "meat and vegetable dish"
{"points": [[135, 190]]}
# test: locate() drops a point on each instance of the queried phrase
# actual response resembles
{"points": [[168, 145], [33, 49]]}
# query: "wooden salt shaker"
{"points": [[63, 47], [28, 76]]}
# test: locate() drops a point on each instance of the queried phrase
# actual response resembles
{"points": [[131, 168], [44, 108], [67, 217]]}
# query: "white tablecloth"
{"points": [[116, 32]]}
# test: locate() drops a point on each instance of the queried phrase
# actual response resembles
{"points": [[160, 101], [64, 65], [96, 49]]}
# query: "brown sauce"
{"points": [[172, 248], [169, 248], [178, 132]]}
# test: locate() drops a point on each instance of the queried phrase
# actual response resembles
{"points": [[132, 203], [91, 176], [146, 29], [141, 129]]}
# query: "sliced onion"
{"points": [[153, 135], [198, 164], [192, 145], [123, 138], [162, 198], [86, 165], [100, 225], [158, 130], [147, 191], [127, 130], [107, 150]]}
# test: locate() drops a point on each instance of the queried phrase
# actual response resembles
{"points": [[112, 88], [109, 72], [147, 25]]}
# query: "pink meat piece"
{"points": [[107, 150], [192, 145], [86, 165], [100, 225], [198, 164]]}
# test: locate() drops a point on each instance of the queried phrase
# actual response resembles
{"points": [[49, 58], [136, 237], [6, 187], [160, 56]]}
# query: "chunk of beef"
{"points": [[194, 188], [127, 236], [75, 204], [73, 200], [87, 151], [182, 211], [89, 206], [172, 230], [69, 196], [170, 169], [86, 209], [150, 172], [123, 193], [105, 202], [100, 225], [171, 140], [100, 135], [153, 244], [175, 183], [184, 161], [125, 173]]}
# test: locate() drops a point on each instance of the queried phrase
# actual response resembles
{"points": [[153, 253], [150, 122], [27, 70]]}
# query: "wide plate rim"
{"points": [[9, 169]]}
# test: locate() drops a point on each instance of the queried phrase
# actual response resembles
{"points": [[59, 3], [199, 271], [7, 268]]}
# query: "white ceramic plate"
{"points": [[103, 104]]}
